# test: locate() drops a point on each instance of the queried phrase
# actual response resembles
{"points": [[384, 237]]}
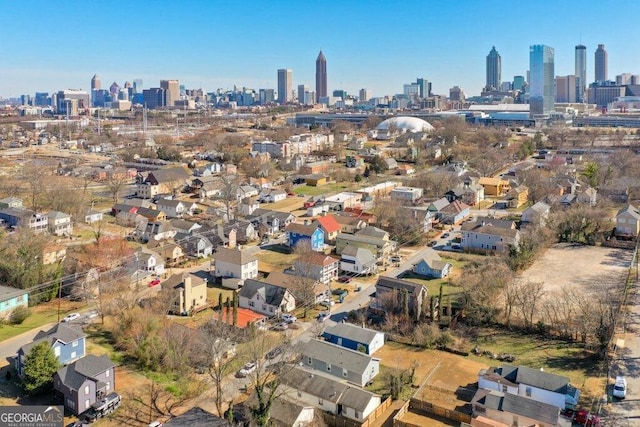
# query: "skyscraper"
{"points": [[494, 70], [137, 85], [425, 87], [566, 88], [321, 76], [541, 85], [172, 88], [285, 85], [602, 59], [581, 72], [96, 83]]}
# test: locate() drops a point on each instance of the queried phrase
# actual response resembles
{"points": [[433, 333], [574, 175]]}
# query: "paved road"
{"points": [[627, 362]]}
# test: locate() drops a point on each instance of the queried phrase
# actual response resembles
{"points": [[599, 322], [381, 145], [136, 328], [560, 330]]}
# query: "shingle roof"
{"points": [[631, 210], [454, 207], [519, 405], [315, 258], [7, 292], [197, 417], [535, 378], [433, 260], [305, 230], [271, 294], [352, 332], [373, 232], [233, 256], [439, 204], [90, 366], [178, 173], [365, 256], [351, 360], [392, 283], [62, 332]]}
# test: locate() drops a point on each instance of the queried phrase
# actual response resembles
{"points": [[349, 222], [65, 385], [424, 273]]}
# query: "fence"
{"points": [[429, 408]]}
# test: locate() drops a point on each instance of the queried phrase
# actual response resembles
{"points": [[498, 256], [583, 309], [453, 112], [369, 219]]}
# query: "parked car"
{"points": [[323, 316], [620, 387], [327, 303], [247, 369], [71, 317], [283, 326], [395, 258], [274, 353], [445, 235], [154, 283], [432, 243], [344, 279], [456, 247], [586, 418], [289, 318]]}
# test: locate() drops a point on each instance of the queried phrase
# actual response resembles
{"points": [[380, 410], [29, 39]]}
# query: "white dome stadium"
{"points": [[406, 124]]}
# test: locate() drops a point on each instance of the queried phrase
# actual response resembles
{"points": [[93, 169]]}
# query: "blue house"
{"points": [[432, 266], [354, 337], [299, 232], [10, 299], [67, 341]]}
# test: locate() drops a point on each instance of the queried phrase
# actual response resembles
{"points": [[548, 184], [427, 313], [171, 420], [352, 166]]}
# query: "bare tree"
{"points": [[303, 282], [528, 298], [229, 193], [115, 184]]}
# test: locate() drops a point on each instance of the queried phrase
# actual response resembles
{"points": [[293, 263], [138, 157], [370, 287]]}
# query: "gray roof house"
{"points": [[84, 382], [265, 298], [432, 266], [10, 202], [511, 409], [12, 298], [350, 365], [536, 214], [389, 293], [330, 394], [66, 340], [197, 417]]}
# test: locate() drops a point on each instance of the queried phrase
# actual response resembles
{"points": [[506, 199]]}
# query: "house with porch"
{"points": [[265, 298], [59, 223], [319, 267], [84, 382], [20, 217], [196, 245], [176, 208], [166, 180], [66, 340], [453, 213], [171, 253]]}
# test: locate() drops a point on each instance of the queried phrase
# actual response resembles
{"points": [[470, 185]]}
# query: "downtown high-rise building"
{"points": [[601, 63], [321, 76], [581, 72], [541, 80], [96, 85], [425, 87], [364, 95], [285, 85], [566, 89], [172, 88], [494, 70]]}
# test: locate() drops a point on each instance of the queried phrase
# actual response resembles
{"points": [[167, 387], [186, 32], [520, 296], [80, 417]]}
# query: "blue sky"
{"points": [[52, 45]]}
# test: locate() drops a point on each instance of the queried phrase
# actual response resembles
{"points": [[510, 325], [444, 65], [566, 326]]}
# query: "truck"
{"points": [[103, 407]]}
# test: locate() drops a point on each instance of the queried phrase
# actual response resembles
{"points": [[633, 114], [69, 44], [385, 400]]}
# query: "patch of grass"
{"points": [[278, 260], [41, 315]]}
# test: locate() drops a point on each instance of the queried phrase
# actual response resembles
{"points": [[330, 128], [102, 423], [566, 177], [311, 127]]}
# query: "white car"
{"points": [[289, 318], [620, 388], [71, 317], [327, 303], [247, 369]]}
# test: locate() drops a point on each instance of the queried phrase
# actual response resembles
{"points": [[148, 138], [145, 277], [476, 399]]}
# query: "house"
{"points": [[151, 214], [319, 267], [268, 222], [292, 282], [437, 205], [354, 337], [196, 245], [537, 214], [247, 206], [432, 266], [91, 216], [167, 180], [20, 217], [189, 293], [184, 227], [171, 253], [325, 392], [147, 230], [329, 226], [66, 340], [245, 191], [265, 298], [588, 197], [628, 221], [296, 233], [350, 365], [52, 253], [285, 412], [421, 214], [378, 246], [197, 417], [374, 232], [530, 383], [272, 195], [517, 196], [496, 187], [453, 213], [513, 410], [244, 231], [407, 194], [235, 263], [349, 224], [85, 382], [358, 260], [148, 260], [10, 202], [315, 180], [176, 208], [389, 291], [489, 234]]}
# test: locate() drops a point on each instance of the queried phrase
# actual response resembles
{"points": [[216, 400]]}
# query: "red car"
{"points": [[154, 283], [586, 418], [344, 279]]}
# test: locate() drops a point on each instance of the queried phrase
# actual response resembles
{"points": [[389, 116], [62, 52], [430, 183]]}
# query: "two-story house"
{"points": [[20, 217], [358, 261], [354, 337], [60, 223], [537, 214], [453, 213], [66, 340], [196, 245], [319, 267], [176, 208], [493, 408], [296, 233], [330, 227], [188, 293], [377, 242], [272, 195], [148, 260], [12, 298], [294, 283], [84, 382], [172, 253], [247, 206], [167, 180], [353, 366], [391, 291], [489, 235], [235, 263], [628, 221], [265, 298]]}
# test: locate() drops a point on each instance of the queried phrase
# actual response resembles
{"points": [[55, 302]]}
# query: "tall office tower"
{"points": [[541, 85], [172, 88], [137, 85], [566, 88], [301, 90], [96, 83], [321, 76], [494, 70], [602, 59], [285, 77], [425, 87], [364, 95], [518, 83], [456, 94], [411, 89], [114, 89], [581, 72]]}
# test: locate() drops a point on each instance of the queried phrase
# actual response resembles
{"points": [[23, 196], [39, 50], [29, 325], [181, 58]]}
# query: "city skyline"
{"points": [[360, 54]]}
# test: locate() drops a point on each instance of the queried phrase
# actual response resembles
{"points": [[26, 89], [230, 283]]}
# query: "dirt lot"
{"points": [[586, 267]]}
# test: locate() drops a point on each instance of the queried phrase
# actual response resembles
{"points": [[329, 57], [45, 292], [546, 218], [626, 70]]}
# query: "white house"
{"points": [[59, 223], [406, 194], [330, 394], [272, 195], [235, 263], [358, 260], [265, 298], [628, 221], [536, 214], [176, 208], [531, 383], [247, 206], [148, 260], [489, 234], [317, 266], [91, 216]]}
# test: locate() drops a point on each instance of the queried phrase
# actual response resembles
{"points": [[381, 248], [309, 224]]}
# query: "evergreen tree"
{"points": [[39, 366]]}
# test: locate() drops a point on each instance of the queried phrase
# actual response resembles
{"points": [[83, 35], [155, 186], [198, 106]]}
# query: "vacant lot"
{"points": [[589, 268]]}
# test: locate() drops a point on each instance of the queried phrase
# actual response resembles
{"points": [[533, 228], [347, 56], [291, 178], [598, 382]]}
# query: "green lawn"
{"points": [[39, 316], [330, 188], [279, 260]]}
